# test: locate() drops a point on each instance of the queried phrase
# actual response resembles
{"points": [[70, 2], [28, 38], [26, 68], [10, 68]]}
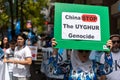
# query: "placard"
{"points": [[83, 27]]}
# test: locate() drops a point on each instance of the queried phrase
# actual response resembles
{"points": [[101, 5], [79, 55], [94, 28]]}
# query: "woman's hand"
{"points": [[54, 43], [5, 60]]}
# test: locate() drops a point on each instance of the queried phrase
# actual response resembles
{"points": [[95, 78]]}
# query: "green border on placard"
{"points": [[102, 11]]}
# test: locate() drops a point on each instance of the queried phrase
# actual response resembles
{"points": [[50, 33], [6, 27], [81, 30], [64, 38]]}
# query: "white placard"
{"points": [[34, 52], [81, 26]]}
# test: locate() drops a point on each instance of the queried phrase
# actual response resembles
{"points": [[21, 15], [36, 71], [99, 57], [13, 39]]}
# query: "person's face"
{"points": [[12, 46], [116, 44], [20, 41], [83, 55], [5, 40]]}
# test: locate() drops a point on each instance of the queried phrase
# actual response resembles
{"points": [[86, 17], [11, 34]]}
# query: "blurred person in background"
{"points": [[5, 43], [9, 54], [22, 59], [95, 55]]}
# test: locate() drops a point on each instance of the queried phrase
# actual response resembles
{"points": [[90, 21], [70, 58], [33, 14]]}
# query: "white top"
{"points": [[9, 55], [115, 75], [20, 70]]}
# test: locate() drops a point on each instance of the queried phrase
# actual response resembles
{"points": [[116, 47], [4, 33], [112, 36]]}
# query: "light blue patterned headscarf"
{"points": [[1, 53]]}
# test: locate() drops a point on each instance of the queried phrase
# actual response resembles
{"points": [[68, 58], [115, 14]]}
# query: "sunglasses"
{"points": [[117, 41], [86, 51]]}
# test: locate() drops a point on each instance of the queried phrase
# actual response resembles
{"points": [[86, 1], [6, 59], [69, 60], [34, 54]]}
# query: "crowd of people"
{"points": [[18, 56], [94, 65], [60, 64]]}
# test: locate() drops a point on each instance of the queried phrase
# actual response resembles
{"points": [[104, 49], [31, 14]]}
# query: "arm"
{"points": [[27, 61], [103, 77], [102, 60], [54, 43]]}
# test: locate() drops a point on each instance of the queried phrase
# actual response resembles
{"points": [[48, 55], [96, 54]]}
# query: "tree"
{"points": [[4, 18], [31, 11], [12, 10]]}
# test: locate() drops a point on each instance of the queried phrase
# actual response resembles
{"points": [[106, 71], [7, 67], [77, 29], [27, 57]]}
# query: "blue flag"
{"points": [[9, 34], [60, 51], [17, 29]]}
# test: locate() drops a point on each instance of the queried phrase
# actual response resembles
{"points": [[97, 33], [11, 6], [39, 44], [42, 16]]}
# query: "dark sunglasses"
{"points": [[117, 41], [86, 51]]}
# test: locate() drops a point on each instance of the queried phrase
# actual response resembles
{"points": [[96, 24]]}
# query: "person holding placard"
{"points": [[113, 60], [9, 54], [59, 64], [82, 68]]}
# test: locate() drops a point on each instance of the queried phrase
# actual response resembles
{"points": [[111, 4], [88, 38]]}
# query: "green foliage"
{"points": [[3, 16], [3, 19], [39, 29], [31, 11]]}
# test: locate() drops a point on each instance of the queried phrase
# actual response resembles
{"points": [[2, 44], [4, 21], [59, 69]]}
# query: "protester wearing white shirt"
{"points": [[22, 59], [10, 55]]}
